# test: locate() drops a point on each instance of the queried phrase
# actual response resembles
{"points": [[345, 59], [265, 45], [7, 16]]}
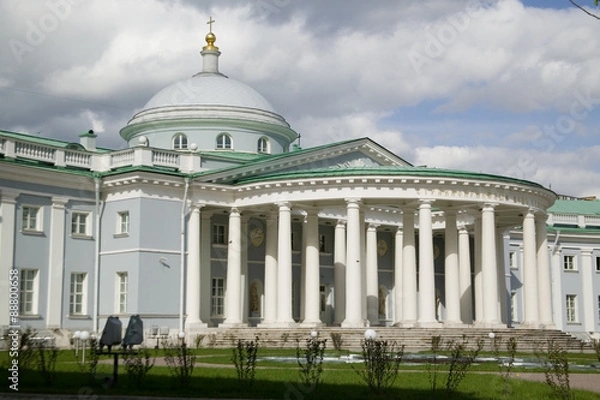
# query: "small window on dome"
{"points": [[180, 142], [224, 141], [263, 145]]}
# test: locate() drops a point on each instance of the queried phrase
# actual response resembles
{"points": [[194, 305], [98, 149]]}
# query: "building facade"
{"points": [[212, 217]]}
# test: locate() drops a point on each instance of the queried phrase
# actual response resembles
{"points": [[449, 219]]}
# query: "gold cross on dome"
{"points": [[210, 22]]}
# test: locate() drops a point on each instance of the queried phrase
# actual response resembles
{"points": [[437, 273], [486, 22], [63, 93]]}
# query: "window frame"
{"points": [[264, 145], [513, 260], [571, 309], [219, 234], [597, 263], [121, 296], [323, 243], [180, 141], [32, 292], [74, 301], [123, 225], [569, 262], [224, 142], [37, 226], [87, 228], [217, 297]]}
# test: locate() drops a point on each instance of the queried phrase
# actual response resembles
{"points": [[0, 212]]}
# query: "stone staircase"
{"points": [[414, 339]]}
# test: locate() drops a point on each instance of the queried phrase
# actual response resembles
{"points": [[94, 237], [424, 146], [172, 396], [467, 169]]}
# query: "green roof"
{"points": [[384, 170], [578, 207]]}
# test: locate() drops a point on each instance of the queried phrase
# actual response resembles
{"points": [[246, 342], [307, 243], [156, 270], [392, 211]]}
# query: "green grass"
{"points": [[282, 380]]}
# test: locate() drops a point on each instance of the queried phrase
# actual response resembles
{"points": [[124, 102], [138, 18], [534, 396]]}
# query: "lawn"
{"points": [[215, 377]]}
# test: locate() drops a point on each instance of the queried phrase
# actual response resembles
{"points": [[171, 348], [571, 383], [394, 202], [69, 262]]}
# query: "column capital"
{"points": [[284, 205], [463, 229], [9, 196], [372, 227], [59, 201], [234, 211], [353, 201], [426, 203], [489, 206], [340, 223], [197, 205]]}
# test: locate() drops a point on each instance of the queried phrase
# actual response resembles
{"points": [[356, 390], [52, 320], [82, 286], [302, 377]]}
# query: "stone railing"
{"points": [[580, 221], [101, 162]]}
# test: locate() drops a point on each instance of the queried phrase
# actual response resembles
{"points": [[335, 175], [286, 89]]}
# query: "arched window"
{"points": [[263, 145], [224, 141], [180, 141]]}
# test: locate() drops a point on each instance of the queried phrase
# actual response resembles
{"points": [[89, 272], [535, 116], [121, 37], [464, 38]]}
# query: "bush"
{"points": [[312, 368], [137, 365], [244, 359], [555, 363], [381, 361], [336, 339], [180, 363], [461, 360]]}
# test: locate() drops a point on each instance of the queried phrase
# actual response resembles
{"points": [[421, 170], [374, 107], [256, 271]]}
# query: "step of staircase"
{"points": [[413, 339]]}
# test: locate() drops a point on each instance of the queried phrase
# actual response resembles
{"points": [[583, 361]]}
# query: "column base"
{"points": [[311, 324], [530, 325], [283, 324], [429, 324], [354, 324], [549, 326], [453, 324], [489, 325], [195, 326], [406, 324], [229, 325]]}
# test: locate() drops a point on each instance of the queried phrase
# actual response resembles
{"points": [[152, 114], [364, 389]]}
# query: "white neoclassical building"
{"points": [[212, 217]]}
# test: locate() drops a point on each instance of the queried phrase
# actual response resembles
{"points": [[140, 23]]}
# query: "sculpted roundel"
{"points": [[257, 237]]}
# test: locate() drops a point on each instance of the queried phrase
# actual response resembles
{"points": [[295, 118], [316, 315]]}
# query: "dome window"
{"points": [[224, 141], [263, 145], [180, 142]]}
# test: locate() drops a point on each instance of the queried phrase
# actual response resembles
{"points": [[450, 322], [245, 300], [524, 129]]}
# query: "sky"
{"points": [[505, 87]]}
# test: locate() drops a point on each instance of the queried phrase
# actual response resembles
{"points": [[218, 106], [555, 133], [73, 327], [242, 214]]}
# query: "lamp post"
{"points": [[85, 335], [76, 337]]}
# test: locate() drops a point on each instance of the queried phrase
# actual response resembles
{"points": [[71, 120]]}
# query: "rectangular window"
{"points": [[569, 263], [78, 291], [123, 222], [79, 224], [597, 264], [31, 219], [513, 260], [571, 307], [513, 307], [28, 292], [219, 234], [218, 297], [121, 298], [323, 244], [295, 241]]}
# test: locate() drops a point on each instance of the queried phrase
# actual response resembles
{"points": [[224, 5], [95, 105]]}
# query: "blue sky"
{"points": [[498, 86]]}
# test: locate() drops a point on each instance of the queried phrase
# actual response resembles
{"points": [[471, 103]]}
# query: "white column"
{"points": [[363, 265], [466, 289], [339, 272], [205, 267], [233, 317], [398, 282], [557, 293], [489, 265], [451, 274], [353, 268], [427, 304], [284, 267], [192, 301], [503, 273], [530, 285], [543, 271], [311, 288], [56, 262], [477, 274], [587, 290], [372, 278], [409, 269], [244, 284], [7, 245], [270, 310]]}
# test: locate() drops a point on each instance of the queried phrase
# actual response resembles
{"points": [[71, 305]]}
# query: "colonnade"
{"points": [[472, 295]]}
